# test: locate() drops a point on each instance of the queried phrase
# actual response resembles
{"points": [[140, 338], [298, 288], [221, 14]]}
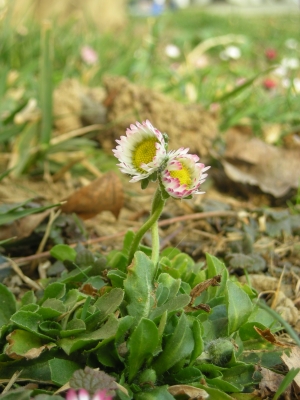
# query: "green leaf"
{"points": [[240, 375], [186, 375], [214, 394], [162, 294], [62, 370], [32, 370], [77, 275], [50, 328], [221, 384], [142, 343], [55, 290], [125, 324], [48, 397], [159, 393], [172, 284], [73, 328], [197, 334], [30, 322], [19, 394], [8, 305], [106, 353], [63, 252], [106, 331], [216, 267], [51, 308], [109, 302], [117, 278], [12, 215], [175, 304], [138, 286], [28, 298], [23, 344], [239, 306], [117, 260], [178, 346]]}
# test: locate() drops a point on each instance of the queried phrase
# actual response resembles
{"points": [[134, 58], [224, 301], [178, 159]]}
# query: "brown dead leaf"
{"points": [[249, 160], [201, 306], [103, 194], [268, 335], [270, 382], [198, 289], [88, 289], [23, 227], [293, 361], [30, 354], [36, 352], [191, 391], [286, 308]]}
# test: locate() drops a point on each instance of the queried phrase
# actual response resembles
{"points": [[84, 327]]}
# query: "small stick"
{"points": [[32, 284], [11, 381]]}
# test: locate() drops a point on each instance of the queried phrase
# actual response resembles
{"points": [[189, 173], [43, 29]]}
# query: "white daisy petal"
{"points": [[141, 152], [183, 174]]}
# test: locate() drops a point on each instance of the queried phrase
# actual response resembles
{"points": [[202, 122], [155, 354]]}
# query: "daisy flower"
{"points": [[141, 152], [84, 395], [183, 174]]}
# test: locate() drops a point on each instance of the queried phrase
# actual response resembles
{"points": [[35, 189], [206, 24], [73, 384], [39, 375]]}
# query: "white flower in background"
{"points": [[286, 83], [291, 44], [286, 65], [281, 71], [172, 51], [230, 53], [291, 83], [183, 174], [141, 152], [84, 395], [296, 85], [290, 63]]}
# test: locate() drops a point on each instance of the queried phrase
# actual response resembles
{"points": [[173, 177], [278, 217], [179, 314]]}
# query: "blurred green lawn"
{"points": [[249, 90]]}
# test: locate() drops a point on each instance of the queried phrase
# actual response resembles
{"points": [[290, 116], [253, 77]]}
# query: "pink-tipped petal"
{"points": [[183, 174]]}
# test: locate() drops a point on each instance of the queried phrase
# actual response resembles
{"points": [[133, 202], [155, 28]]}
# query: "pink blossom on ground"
{"points": [[269, 84], [89, 55], [214, 107], [271, 54], [83, 394], [183, 174]]}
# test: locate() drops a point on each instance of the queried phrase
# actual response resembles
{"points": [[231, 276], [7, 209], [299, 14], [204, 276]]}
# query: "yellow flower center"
{"points": [[184, 175], [144, 153]]}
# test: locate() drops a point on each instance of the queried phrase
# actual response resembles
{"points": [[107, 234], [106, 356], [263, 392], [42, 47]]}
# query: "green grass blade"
{"points": [[12, 215], [46, 83], [278, 317], [287, 380], [5, 173], [242, 87]]}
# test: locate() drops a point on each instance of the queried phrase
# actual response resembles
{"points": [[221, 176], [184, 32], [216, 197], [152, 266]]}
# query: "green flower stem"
{"points": [[157, 207], [155, 243]]}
